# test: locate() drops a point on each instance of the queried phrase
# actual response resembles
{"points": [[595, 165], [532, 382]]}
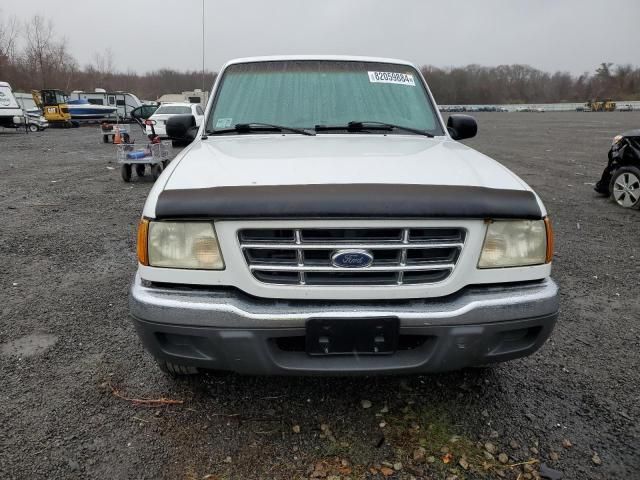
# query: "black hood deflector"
{"points": [[348, 201]]}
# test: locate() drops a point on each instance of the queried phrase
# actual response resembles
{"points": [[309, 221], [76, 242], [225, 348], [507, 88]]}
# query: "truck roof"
{"points": [[341, 58]]}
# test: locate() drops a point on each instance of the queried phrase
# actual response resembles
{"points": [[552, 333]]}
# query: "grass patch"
{"points": [[428, 431]]}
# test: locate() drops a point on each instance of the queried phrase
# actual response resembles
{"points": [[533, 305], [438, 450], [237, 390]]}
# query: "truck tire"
{"points": [[125, 171], [140, 170], [625, 187], [175, 370], [33, 127]]}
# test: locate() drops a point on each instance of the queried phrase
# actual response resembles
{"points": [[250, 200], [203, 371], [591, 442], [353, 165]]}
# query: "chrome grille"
{"points": [[302, 256]]}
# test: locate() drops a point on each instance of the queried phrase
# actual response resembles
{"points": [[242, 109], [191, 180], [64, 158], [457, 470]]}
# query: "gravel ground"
{"points": [[68, 353]]}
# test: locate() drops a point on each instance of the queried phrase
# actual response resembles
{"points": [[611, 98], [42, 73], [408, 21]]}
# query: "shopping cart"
{"points": [[154, 155], [107, 130]]}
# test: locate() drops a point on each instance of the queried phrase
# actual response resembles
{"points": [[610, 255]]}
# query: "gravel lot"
{"points": [[68, 352]]}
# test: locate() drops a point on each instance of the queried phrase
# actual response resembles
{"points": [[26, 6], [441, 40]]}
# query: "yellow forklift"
{"points": [[53, 104]]}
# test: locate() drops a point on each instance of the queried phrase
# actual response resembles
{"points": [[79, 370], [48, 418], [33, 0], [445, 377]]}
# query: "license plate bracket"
{"points": [[349, 336]]}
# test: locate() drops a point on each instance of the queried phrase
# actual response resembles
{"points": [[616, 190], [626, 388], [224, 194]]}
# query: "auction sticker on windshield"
{"points": [[392, 77], [224, 123]]}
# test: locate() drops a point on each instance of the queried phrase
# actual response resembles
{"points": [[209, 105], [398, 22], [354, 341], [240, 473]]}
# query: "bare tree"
{"points": [[45, 61], [39, 45], [9, 29], [103, 62], [45, 56]]}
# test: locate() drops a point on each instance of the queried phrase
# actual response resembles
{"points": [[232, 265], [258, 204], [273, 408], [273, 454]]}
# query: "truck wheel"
{"points": [[140, 170], [625, 187], [176, 370], [125, 171], [156, 170], [33, 128]]}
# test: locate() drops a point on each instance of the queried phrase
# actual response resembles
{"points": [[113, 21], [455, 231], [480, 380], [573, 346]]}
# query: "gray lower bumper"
{"points": [[224, 329]]}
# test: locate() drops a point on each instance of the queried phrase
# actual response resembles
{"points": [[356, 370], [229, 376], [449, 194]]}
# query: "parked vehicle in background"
{"points": [[625, 108], [452, 108], [124, 102], [621, 178], [143, 112], [294, 237], [26, 102], [195, 96], [53, 103], [600, 106], [167, 110], [11, 114], [35, 120], [81, 109]]}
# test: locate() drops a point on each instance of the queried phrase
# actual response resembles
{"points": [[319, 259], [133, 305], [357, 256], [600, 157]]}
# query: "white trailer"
{"points": [[123, 101], [11, 114], [194, 96]]}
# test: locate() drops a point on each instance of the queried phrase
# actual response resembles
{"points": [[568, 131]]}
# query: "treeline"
{"points": [[475, 84], [33, 57]]}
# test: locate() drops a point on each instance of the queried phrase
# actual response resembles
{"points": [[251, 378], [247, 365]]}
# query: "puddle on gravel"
{"points": [[29, 345]]}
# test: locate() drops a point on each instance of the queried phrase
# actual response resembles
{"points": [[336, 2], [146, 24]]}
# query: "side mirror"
{"points": [[182, 127], [462, 126]]}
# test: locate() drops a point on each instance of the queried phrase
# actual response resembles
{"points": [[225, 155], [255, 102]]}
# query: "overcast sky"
{"points": [[569, 35]]}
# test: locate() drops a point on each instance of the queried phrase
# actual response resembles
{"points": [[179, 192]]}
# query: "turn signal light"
{"points": [[549, 229], [143, 236]]}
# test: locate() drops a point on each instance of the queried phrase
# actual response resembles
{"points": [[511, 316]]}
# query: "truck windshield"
{"points": [[309, 94]]}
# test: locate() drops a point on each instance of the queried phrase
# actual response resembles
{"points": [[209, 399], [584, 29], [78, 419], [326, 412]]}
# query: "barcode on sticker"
{"points": [[392, 77]]}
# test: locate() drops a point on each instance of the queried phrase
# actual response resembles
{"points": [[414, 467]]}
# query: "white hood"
{"points": [[334, 159]]}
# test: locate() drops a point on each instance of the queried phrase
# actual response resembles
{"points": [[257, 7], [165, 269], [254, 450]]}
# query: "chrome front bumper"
{"points": [[224, 329]]}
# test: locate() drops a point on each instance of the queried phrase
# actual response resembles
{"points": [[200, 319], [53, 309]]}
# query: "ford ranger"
{"points": [[325, 220]]}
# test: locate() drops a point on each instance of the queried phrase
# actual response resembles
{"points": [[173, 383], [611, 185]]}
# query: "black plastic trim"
{"points": [[348, 201]]}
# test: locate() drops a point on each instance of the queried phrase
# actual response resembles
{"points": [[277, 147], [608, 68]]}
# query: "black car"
{"points": [[621, 178]]}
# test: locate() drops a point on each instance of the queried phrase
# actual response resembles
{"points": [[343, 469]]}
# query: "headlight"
{"points": [[616, 139], [190, 245], [516, 243]]}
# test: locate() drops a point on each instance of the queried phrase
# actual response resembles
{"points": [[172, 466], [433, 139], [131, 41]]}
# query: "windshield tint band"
{"points": [[348, 201], [306, 93]]}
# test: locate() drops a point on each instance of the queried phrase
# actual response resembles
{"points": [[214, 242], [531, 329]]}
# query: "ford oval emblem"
{"points": [[351, 258]]}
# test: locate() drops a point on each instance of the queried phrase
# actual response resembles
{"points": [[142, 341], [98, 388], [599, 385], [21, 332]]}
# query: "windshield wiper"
{"points": [[371, 125], [256, 127]]}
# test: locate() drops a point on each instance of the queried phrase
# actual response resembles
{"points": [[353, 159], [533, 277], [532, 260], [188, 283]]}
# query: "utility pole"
{"points": [[203, 89]]}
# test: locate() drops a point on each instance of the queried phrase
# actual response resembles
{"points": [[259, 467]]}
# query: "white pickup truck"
{"points": [[324, 220]]}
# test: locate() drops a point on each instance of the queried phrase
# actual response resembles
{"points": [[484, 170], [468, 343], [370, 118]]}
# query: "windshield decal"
{"points": [[392, 77], [224, 123]]}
